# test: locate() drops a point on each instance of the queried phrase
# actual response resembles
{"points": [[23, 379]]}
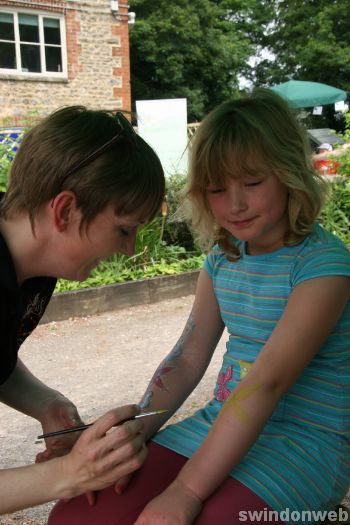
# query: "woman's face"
{"points": [[107, 234]]}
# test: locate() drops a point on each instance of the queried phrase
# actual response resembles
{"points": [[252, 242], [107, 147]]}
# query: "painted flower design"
{"points": [[157, 379], [223, 392]]}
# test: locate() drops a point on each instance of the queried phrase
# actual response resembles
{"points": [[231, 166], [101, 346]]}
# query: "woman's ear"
{"points": [[64, 210]]}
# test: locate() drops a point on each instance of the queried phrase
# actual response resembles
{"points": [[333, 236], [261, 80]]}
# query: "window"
{"points": [[32, 44]]}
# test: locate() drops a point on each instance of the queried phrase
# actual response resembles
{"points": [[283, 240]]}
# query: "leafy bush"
{"points": [[9, 144], [8, 147], [344, 158], [335, 216], [176, 231], [111, 272], [346, 134]]}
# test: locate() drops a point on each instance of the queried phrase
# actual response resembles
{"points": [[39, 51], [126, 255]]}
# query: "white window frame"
{"points": [[43, 74]]}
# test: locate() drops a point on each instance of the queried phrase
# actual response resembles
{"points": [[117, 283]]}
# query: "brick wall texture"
{"points": [[98, 63]]}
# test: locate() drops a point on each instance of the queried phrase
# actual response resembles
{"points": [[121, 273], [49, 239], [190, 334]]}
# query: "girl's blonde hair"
{"points": [[260, 126]]}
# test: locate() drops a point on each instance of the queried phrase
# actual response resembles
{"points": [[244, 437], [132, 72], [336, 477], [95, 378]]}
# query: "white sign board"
{"points": [[163, 124], [341, 106]]}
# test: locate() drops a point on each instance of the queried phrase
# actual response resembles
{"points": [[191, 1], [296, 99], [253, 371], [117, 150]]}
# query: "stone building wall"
{"points": [[97, 59]]}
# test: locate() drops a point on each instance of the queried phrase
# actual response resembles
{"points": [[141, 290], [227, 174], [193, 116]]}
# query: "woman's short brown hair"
{"points": [[128, 173]]}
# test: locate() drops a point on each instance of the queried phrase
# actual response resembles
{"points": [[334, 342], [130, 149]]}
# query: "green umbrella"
{"points": [[302, 94]]}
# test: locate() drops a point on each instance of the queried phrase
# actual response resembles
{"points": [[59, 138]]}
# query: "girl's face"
{"points": [[253, 208]]}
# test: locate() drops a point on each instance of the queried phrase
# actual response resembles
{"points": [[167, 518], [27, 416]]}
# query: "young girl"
{"points": [[275, 437]]}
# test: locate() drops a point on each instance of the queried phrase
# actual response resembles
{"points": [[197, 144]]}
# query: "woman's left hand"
{"points": [[58, 413], [177, 505]]}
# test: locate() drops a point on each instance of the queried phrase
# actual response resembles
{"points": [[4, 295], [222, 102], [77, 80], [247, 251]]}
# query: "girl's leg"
{"points": [[160, 469]]}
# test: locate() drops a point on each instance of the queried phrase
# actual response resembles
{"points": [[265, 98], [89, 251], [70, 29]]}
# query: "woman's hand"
{"points": [[177, 505], [58, 413], [100, 458]]}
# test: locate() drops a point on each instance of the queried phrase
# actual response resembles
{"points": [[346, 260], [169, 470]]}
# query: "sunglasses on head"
{"points": [[126, 132]]}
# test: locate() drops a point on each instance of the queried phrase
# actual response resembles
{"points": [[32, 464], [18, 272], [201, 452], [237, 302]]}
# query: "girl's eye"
{"points": [[256, 183], [216, 190]]}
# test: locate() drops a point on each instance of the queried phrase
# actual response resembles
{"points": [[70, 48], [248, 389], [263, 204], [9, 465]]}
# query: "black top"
{"points": [[21, 308]]}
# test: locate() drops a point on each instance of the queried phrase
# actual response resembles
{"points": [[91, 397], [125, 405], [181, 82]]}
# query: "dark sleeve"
{"points": [[35, 296], [20, 314], [9, 326]]}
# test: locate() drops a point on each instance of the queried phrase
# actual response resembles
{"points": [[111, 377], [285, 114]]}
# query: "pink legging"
{"points": [[160, 469]]}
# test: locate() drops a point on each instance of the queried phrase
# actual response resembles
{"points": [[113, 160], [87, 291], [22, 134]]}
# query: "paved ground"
{"points": [[99, 362]]}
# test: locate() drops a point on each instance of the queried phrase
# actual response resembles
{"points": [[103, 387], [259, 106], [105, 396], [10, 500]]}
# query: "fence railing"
{"points": [[192, 128]]}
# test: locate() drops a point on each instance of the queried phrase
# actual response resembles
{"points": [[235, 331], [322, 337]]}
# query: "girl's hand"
{"points": [[58, 413], [99, 459], [177, 505]]}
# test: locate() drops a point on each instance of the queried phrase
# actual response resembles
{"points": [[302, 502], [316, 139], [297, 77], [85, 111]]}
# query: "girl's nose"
{"points": [[236, 201]]}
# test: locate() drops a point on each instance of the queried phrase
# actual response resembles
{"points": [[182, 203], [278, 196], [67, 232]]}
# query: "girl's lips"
{"points": [[242, 224]]}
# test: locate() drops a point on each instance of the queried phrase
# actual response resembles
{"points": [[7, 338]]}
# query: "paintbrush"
{"points": [[84, 427]]}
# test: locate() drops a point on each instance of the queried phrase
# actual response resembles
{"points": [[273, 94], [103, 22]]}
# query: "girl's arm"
{"points": [[310, 316], [183, 368]]}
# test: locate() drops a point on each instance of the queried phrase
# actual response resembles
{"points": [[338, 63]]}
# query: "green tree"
{"points": [[194, 49], [309, 39]]}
